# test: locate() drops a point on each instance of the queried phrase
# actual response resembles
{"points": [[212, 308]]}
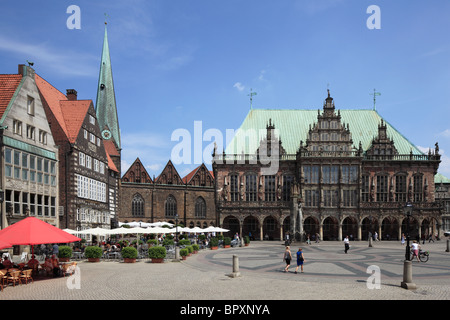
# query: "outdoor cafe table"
{"points": [[113, 255], [77, 254]]}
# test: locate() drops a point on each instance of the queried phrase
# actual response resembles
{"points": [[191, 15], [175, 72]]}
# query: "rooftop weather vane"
{"points": [[375, 94], [251, 97], [106, 17]]}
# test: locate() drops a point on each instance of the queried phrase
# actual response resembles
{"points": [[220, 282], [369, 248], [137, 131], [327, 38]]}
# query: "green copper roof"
{"points": [[294, 124], [105, 106], [438, 178]]}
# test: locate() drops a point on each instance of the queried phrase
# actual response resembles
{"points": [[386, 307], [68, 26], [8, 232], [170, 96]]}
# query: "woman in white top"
{"points": [[415, 249]]}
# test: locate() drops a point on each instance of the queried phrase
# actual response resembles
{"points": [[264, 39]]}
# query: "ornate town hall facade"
{"points": [[328, 172]]}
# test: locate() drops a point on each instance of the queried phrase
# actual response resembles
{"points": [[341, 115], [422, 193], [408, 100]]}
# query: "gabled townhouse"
{"points": [[29, 173], [85, 166]]}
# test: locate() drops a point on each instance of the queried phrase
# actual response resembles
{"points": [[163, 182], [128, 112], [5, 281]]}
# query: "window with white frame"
{"points": [[88, 188]]}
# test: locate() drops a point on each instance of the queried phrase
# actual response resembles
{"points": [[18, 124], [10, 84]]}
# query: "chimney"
{"points": [[71, 94], [26, 70]]}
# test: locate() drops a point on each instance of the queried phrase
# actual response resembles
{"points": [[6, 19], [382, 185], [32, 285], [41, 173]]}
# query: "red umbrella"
{"points": [[32, 231], [4, 245]]}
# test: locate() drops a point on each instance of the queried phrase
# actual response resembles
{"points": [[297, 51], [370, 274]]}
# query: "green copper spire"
{"points": [[105, 106]]}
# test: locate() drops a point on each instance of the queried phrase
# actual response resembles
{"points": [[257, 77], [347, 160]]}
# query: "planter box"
{"points": [[157, 260], [247, 244], [94, 259], [129, 260], [226, 246], [214, 248], [184, 257], [64, 259]]}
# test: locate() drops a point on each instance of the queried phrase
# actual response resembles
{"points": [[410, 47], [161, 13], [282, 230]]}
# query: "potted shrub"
{"points": [[65, 252], [183, 253], [157, 254], [190, 250], [247, 240], [93, 253], [152, 242], [184, 242], [214, 243], [195, 247], [227, 242], [129, 254], [168, 242]]}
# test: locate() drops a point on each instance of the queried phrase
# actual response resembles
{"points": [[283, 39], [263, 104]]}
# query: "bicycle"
{"points": [[423, 255]]}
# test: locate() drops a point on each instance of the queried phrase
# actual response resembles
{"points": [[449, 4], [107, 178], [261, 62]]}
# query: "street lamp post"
{"points": [[407, 264], [177, 248], [176, 227]]}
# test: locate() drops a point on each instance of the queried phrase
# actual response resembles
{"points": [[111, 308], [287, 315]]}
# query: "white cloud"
{"points": [[261, 75], [239, 86], [445, 133], [63, 62]]}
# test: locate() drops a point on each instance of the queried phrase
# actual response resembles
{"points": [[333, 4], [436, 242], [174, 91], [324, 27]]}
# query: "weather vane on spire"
{"points": [[106, 17], [375, 94], [251, 97]]}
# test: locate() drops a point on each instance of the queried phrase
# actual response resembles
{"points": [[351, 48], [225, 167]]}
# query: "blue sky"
{"points": [[180, 61]]}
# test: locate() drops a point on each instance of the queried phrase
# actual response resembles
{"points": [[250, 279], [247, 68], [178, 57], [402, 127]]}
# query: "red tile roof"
{"points": [[111, 164], [188, 178], [52, 96], [74, 113], [8, 86], [110, 148]]}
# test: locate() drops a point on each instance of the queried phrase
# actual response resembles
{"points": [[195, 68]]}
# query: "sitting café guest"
{"points": [[55, 266]]}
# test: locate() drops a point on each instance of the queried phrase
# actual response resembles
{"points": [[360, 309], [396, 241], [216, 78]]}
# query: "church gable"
{"points": [[169, 175], [137, 173], [200, 176]]}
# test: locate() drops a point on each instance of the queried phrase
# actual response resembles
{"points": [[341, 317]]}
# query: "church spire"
{"points": [[105, 106]]}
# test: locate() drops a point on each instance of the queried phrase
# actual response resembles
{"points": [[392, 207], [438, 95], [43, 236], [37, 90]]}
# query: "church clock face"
{"points": [[106, 134]]}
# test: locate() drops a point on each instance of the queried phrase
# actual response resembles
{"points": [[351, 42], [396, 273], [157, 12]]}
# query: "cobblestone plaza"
{"points": [[329, 275]]}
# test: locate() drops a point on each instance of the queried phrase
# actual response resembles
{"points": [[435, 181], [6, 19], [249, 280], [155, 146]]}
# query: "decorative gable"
{"points": [[137, 173], [329, 134], [200, 176], [169, 175], [271, 144], [382, 145]]}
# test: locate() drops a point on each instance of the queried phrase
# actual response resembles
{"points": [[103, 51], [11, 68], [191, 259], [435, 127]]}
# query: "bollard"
{"points": [[177, 255], [235, 272], [448, 246], [407, 276], [370, 242]]}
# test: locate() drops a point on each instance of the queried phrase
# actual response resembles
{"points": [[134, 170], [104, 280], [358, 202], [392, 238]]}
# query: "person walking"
{"points": [[403, 239], [346, 244], [287, 257], [300, 260]]}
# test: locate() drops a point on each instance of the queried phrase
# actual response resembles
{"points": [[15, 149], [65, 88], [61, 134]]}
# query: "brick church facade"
{"points": [[191, 199]]}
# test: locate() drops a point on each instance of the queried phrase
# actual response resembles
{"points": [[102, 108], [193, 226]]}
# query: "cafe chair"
{"points": [[26, 275], [14, 276], [2, 277]]}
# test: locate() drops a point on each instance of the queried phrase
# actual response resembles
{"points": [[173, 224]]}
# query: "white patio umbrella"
{"points": [[190, 230], [96, 231], [71, 231], [158, 230], [121, 230], [215, 229], [160, 224]]}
